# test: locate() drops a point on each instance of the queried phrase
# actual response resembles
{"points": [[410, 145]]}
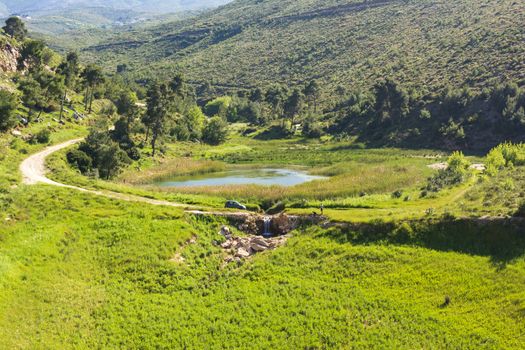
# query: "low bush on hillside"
{"points": [[505, 155], [457, 171]]}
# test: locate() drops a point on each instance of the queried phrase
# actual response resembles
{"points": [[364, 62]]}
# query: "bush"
{"points": [[80, 160], [521, 210], [312, 129], [505, 155], [218, 106], [133, 153], [105, 154], [43, 136], [8, 107], [457, 172], [215, 132], [397, 194]]}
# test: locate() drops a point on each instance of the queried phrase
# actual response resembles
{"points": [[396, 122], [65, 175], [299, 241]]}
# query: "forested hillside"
{"points": [[423, 44]]}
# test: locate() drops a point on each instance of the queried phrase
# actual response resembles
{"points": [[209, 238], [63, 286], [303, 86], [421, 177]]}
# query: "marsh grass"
{"points": [[170, 168], [364, 178]]}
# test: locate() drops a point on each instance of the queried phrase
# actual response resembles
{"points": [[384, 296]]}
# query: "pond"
{"points": [[265, 177]]}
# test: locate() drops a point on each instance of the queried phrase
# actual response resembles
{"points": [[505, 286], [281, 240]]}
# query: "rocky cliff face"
{"points": [[8, 58]]}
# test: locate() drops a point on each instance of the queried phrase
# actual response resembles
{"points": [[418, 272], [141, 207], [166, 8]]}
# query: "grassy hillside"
{"points": [[79, 271], [422, 44]]}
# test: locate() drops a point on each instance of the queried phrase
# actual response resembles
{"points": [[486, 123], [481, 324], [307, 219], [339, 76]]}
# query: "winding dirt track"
{"points": [[34, 172]]}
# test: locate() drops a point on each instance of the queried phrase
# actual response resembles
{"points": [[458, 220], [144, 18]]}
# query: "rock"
{"points": [[258, 248], [226, 245], [226, 232], [177, 258], [9, 58], [250, 225], [16, 133], [282, 224], [260, 241], [242, 253]]}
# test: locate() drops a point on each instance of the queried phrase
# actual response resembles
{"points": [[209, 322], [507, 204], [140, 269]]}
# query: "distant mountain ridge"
{"points": [[30, 7]]}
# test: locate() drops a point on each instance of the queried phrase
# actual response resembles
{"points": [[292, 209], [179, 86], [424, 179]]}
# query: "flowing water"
{"points": [[267, 224]]}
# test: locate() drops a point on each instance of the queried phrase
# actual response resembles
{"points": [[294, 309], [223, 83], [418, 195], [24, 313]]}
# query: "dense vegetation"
{"points": [[412, 73], [423, 44]]}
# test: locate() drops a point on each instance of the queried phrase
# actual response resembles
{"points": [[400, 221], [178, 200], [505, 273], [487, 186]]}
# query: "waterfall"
{"points": [[267, 222]]}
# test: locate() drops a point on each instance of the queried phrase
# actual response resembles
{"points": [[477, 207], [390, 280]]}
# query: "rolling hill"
{"points": [[54, 19], [150, 6], [423, 44]]}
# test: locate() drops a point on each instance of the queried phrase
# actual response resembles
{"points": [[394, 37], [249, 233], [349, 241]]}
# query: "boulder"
{"points": [[226, 232], [226, 245], [242, 253], [258, 247], [282, 224]]}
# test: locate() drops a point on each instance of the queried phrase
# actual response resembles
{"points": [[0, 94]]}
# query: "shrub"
{"points": [[312, 129], [505, 155], [80, 160], [397, 194], [8, 107], [215, 131], [521, 210], [457, 171], [43, 136]]}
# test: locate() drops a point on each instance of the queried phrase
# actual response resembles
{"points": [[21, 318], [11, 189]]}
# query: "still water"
{"points": [[266, 177]]}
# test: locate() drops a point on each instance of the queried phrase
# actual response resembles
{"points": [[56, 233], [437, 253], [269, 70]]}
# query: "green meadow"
{"points": [[82, 271]]}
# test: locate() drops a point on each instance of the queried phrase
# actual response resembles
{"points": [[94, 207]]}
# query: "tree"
{"points": [[69, 69], [219, 106], [195, 119], [41, 89], [312, 92], [392, 102], [8, 107], [158, 102], [126, 104], [51, 86], [275, 97], [93, 77], [216, 131], [293, 105], [110, 159], [256, 95], [15, 28], [33, 54], [106, 155], [80, 160]]}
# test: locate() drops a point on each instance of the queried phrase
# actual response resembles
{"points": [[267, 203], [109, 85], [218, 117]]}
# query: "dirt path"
{"points": [[34, 172]]}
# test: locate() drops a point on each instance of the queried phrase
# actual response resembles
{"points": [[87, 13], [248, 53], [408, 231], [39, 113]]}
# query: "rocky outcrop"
{"points": [[281, 224], [254, 224], [239, 248], [8, 58]]}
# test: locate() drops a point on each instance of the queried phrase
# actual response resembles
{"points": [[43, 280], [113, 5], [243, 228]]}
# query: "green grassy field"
{"points": [[86, 272], [81, 271]]}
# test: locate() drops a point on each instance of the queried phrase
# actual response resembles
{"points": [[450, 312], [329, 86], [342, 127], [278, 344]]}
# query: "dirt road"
{"points": [[34, 171]]}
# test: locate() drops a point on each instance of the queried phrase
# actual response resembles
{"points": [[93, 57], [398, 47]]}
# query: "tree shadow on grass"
{"points": [[502, 239], [275, 132]]}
